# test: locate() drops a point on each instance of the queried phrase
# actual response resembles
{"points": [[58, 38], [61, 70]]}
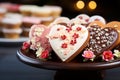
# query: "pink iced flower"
{"points": [[44, 54], [26, 45], [107, 55], [88, 55]]}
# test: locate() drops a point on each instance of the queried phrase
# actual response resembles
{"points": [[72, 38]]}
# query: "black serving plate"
{"points": [[55, 65], [71, 70]]}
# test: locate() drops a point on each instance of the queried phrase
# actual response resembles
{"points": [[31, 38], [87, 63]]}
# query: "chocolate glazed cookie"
{"points": [[101, 39]]}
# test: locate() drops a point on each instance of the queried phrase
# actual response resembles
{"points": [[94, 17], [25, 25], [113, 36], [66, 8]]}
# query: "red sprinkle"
{"points": [[80, 17], [72, 42], [78, 28], [64, 45], [69, 29], [75, 35], [87, 20], [63, 37]]}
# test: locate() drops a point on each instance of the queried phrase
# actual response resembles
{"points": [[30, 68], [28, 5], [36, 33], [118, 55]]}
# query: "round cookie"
{"points": [[97, 18]]}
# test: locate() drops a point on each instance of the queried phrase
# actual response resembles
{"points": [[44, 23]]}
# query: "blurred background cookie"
{"points": [[97, 18], [11, 28]]}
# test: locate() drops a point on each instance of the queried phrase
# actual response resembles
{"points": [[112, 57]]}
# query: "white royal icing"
{"points": [[55, 40], [99, 18]]}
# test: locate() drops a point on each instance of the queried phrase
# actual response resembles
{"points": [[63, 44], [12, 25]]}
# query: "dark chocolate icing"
{"points": [[101, 39]]}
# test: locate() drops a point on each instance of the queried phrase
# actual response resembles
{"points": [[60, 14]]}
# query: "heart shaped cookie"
{"points": [[101, 39], [116, 25], [68, 41], [81, 19]]}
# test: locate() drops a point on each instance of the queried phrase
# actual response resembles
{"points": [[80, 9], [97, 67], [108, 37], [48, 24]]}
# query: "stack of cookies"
{"points": [[25, 16], [11, 28]]}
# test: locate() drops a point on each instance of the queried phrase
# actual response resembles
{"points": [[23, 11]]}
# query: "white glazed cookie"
{"points": [[68, 42], [97, 18], [82, 19]]}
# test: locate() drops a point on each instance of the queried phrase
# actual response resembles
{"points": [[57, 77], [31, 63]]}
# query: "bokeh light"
{"points": [[80, 4], [92, 5]]}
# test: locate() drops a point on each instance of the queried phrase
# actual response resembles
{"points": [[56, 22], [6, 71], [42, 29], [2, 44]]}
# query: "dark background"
{"points": [[109, 9], [12, 69]]}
